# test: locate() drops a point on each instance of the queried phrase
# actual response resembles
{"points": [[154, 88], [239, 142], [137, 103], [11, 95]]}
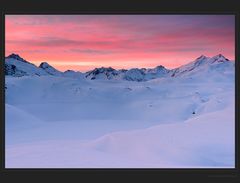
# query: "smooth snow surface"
{"points": [[69, 121]]}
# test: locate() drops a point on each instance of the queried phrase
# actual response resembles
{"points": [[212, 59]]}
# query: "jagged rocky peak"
{"points": [[16, 57], [107, 69], [160, 67], [101, 70]]}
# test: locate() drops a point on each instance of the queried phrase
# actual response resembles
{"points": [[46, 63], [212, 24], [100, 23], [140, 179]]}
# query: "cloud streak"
{"points": [[119, 40]]}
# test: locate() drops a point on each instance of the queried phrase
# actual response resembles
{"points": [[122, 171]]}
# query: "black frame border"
{"points": [[186, 174]]}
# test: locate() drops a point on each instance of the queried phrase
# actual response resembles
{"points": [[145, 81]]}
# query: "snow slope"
{"points": [[206, 141]]}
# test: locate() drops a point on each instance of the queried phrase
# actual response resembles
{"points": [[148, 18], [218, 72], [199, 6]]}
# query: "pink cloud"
{"points": [[119, 41]]}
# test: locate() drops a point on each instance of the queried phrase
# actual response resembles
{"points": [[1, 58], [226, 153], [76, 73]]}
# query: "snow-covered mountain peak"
{"points": [[17, 66], [201, 57], [219, 58], [102, 73], [101, 70], [159, 71], [203, 64], [135, 74], [49, 69], [199, 61], [160, 67], [104, 69], [203, 60], [72, 74], [16, 57], [69, 71], [45, 65]]}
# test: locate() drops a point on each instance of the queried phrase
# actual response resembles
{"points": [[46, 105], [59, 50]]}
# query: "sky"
{"points": [[84, 42]]}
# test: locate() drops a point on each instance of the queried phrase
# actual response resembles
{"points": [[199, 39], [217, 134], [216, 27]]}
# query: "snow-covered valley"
{"points": [[107, 118]]}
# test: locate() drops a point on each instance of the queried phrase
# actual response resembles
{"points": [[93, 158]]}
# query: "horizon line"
{"points": [[101, 66]]}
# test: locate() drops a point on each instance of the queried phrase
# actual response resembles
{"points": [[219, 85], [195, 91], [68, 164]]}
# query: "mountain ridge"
{"points": [[17, 66]]}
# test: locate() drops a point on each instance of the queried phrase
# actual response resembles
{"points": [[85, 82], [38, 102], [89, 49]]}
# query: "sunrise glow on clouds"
{"points": [[83, 42]]}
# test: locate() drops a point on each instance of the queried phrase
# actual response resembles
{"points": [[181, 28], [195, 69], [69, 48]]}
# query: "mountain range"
{"points": [[16, 66]]}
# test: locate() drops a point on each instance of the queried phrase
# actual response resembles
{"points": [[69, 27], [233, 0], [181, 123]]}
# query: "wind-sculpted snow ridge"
{"points": [[17, 66]]}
